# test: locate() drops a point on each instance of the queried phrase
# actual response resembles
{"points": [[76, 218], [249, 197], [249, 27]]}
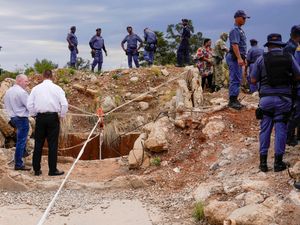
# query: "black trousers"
{"points": [[209, 79], [47, 127]]}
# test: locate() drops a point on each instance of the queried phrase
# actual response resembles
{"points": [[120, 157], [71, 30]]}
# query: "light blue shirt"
{"points": [[132, 41], [15, 101], [238, 36]]}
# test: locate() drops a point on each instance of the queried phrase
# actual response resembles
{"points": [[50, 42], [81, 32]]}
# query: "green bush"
{"points": [[198, 212], [44, 64], [156, 161], [7, 74]]}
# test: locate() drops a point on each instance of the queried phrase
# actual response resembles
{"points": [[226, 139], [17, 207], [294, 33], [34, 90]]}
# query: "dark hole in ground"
{"points": [[91, 151]]}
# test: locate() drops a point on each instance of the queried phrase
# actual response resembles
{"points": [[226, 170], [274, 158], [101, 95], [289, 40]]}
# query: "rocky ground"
{"points": [[207, 153]]}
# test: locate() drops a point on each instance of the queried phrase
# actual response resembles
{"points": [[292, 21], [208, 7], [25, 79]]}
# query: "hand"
{"points": [[105, 53], [77, 51], [241, 62]]}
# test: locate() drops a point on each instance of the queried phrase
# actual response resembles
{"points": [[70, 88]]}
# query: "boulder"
{"points": [[294, 196], [205, 190], [92, 92], [254, 214], [137, 156], [5, 85], [217, 211], [2, 140], [157, 139], [5, 128], [184, 96], [134, 79], [79, 87], [143, 106], [9, 184], [165, 72], [213, 128], [197, 91], [108, 104]]}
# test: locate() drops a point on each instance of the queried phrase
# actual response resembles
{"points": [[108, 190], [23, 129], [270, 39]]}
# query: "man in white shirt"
{"points": [[47, 102], [15, 101]]}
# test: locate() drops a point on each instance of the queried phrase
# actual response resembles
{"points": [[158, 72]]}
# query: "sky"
{"points": [[35, 29]]}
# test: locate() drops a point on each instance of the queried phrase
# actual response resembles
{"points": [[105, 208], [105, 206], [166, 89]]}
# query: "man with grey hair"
{"points": [[15, 102]]}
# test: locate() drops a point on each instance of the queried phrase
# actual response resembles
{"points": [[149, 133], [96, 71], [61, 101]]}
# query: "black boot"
{"points": [[297, 185], [263, 166], [279, 165], [234, 103]]}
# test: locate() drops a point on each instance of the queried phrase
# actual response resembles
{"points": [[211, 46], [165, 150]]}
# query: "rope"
{"points": [[43, 219], [81, 110]]}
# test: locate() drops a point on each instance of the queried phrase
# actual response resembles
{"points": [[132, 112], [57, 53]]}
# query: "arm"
{"points": [[140, 41], [123, 42], [69, 40], [256, 71], [30, 104], [92, 42], [104, 49], [237, 53]]}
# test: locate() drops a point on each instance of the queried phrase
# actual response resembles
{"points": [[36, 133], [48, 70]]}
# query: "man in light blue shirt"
{"points": [[15, 101], [97, 45], [132, 50], [73, 42]]}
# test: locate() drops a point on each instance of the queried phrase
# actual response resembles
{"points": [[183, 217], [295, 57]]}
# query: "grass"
{"points": [[156, 161], [198, 212]]}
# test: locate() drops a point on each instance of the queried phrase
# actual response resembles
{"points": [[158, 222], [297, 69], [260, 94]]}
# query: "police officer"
{"points": [[219, 52], [236, 58], [274, 71], [73, 42], [150, 48], [97, 45], [132, 50], [252, 55], [183, 53], [290, 48]]}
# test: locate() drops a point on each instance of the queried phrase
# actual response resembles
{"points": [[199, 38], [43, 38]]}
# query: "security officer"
{"points": [[219, 52], [252, 55], [132, 50], [183, 54], [274, 71], [290, 48], [236, 58], [97, 44], [150, 48], [73, 42]]}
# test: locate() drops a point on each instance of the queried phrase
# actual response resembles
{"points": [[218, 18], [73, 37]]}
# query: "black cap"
{"points": [[253, 41], [275, 39], [185, 20], [295, 30], [73, 28], [98, 29], [241, 13]]}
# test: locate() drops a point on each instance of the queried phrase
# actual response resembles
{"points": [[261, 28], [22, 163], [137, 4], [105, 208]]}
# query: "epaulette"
{"points": [[298, 48]]}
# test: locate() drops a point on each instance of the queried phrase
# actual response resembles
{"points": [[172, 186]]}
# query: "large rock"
{"points": [[143, 105], [137, 156], [5, 128], [216, 211], [157, 139], [205, 190], [254, 214], [2, 140], [9, 184], [213, 128], [5, 85], [108, 104], [197, 91], [183, 96], [295, 171], [294, 196]]}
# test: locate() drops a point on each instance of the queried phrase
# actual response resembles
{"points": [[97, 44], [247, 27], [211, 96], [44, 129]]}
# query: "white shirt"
{"points": [[47, 97], [15, 101]]}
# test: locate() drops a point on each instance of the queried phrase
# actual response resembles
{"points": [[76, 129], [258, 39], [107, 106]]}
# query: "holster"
{"points": [[259, 114]]}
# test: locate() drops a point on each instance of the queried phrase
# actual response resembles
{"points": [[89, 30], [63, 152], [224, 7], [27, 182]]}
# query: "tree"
{"points": [[44, 64]]}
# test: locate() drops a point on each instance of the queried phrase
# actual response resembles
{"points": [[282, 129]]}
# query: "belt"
{"points": [[47, 113]]}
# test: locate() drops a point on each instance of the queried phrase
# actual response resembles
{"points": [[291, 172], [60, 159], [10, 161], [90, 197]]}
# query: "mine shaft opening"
{"points": [[71, 144]]}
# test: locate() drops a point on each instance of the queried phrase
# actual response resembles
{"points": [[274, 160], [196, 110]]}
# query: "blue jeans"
{"points": [[235, 75], [149, 56], [277, 105], [22, 125], [73, 57]]}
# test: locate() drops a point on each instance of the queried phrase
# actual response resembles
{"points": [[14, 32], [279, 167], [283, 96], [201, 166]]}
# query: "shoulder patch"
{"points": [[298, 48]]}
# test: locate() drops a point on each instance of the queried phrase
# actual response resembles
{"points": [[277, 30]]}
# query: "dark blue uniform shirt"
{"points": [[254, 53], [132, 41], [237, 36]]}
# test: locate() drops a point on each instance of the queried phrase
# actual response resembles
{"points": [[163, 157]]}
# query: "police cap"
{"points": [[241, 13]]}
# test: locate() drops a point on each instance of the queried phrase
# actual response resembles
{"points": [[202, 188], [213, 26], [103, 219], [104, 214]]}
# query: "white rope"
{"points": [[81, 110], [42, 220]]}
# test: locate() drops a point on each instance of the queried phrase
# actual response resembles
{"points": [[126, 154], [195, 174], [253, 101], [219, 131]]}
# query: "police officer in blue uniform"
{"points": [[274, 71], [183, 52], [150, 48], [236, 58], [132, 50], [97, 45], [252, 55], [294, 122], [73, 42]]}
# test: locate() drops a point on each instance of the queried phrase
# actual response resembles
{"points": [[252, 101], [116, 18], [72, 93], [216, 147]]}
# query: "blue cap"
{"points": [[240, 13], [185, 20], [275, 39], [73, 28], [253, 40], [295, 30]]}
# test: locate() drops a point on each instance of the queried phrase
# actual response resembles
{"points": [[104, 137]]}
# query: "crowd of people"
{"points": [[275, 74]]}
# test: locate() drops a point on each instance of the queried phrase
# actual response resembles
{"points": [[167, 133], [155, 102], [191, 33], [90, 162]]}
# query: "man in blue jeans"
{"points": [[15, 102], [132, 50]]}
